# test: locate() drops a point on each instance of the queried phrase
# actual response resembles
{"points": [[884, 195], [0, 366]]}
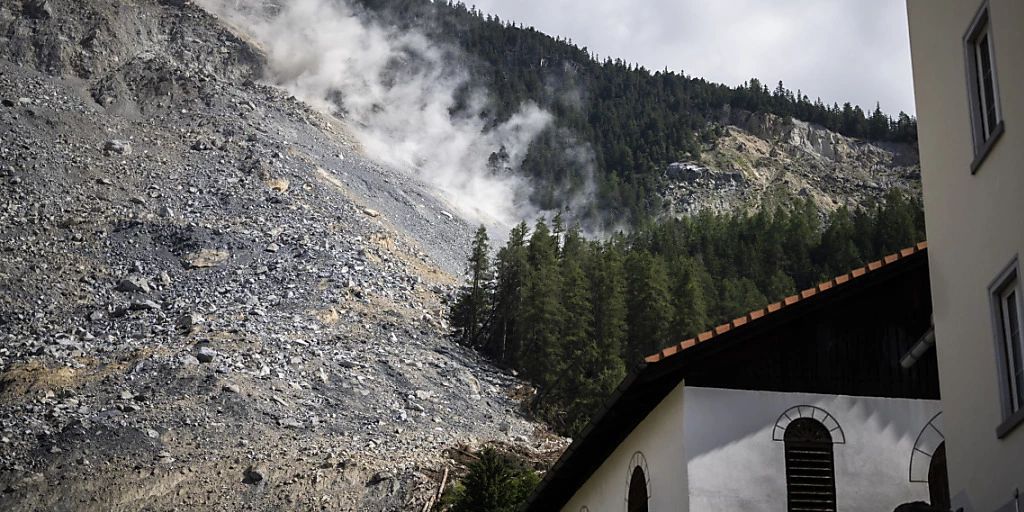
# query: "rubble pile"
{"points": [[209, 299]]}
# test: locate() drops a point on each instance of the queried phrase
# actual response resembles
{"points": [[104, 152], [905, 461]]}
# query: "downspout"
{"points": [[919, 349]]}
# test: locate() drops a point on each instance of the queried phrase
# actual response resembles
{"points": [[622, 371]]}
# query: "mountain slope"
{"points": [[617, 127], [210, 299]]}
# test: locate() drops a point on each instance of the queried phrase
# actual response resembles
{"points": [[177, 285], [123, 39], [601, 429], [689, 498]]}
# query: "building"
{"points": [[803, 405], [968, 59]]}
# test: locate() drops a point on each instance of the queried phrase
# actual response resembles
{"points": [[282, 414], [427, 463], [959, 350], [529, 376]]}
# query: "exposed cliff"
{"points": [[763, 160]]}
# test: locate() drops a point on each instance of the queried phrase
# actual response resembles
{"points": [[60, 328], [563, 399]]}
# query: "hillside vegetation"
{"points": [[616, 123], [574, 315]]}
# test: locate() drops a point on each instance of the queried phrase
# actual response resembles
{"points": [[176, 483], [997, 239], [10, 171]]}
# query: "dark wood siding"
{"points": [[851, 345]]}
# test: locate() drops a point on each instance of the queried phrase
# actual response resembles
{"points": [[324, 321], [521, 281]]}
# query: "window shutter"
{"points": [[810, 468]]}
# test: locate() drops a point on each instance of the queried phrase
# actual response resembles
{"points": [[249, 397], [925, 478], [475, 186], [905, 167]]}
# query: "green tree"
{"points": [[896, 224], [543, 310], [838, 251], [689, 304], [495, 483], [505, 338], [649, 306], [473, 306]]}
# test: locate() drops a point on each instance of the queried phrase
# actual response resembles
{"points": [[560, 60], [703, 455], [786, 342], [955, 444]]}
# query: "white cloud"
{"points": [[397, 90]]}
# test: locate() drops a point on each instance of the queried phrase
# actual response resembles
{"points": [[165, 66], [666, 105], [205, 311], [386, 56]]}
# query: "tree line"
{"points": [[616, 124], [572, 315]]}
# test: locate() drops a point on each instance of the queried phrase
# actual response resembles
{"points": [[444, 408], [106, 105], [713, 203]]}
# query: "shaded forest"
{"points": [[616, 123], [573, 315]]}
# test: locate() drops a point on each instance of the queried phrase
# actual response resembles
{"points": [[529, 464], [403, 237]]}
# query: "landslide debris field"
{"points": [[208, 298]]}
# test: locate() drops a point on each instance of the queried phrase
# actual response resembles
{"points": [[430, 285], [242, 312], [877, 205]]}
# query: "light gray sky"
{"points": [[839, 50]]}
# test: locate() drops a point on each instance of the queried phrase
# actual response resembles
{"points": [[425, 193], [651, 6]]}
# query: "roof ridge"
{"points": [[788, 301]]}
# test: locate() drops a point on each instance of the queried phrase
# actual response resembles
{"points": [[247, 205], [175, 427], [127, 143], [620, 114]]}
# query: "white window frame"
{"points": [[984, 131], [1008, 283]]}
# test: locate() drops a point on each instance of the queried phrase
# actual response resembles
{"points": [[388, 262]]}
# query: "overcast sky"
{"points": [[839, 50]]}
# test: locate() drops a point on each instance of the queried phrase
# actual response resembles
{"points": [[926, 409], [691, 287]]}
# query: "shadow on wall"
{"points": [[760, 416], [725, 429], [919, 506]]}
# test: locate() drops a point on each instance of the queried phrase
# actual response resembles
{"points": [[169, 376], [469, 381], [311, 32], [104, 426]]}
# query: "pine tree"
{"points": [[495, 483], [838, 252], [689, 304], [896, 224], [473, 307], [649, 306], [505, 338], [543, 311]]}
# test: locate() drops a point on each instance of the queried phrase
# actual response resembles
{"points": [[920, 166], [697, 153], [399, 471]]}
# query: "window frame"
{"points": [[981, 26], [1007, 282]]}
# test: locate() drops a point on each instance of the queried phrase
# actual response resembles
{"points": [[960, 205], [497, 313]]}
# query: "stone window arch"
{"points": [[638, 484], [808, 411], [928, 461]]}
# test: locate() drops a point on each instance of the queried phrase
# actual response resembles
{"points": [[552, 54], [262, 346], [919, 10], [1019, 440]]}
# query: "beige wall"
{"points": [[975, 228], [659, 437]]}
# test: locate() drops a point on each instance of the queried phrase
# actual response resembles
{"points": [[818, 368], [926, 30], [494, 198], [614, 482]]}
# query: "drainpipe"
{"points": [[919, 349]]}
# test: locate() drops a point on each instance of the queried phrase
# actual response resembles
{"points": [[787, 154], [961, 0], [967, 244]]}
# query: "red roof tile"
{"points": [[788, 301]]}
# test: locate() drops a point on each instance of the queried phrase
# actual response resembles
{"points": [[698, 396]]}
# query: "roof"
{"points": [[788, 301], [658, 374]]}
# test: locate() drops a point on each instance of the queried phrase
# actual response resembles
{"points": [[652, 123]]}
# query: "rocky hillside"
{"points": [[208, 298], [763, 161]]}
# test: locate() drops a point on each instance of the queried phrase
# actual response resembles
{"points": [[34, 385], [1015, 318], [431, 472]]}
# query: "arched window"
{"points": [[928, 462], [637, 499], [938, 481], [810, 468]]}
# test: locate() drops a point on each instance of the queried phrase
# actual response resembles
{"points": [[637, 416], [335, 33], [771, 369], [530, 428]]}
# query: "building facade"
{"points": [[710, 449], [803, 405], [968, 60]]}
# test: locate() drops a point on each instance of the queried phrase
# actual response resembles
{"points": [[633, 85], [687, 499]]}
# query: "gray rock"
{"points": [[254, 474], [117, 147], [188, 322], [381, 476], [206, 355], [206, 258], [134, 284], [144, 305], [289, 423], [38, 9]]}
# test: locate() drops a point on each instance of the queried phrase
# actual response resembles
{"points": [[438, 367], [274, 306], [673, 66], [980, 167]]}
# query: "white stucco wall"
{"points": [[660, 439], [734, 464], [709, 450]]}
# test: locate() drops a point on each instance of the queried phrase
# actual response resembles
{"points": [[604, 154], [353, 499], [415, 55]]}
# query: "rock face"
{"points": [[155, 353], [763, 160]]}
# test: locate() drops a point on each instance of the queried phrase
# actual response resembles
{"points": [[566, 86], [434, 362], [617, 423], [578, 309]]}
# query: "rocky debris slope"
{"points": [[764, 161], [209, 300]]}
